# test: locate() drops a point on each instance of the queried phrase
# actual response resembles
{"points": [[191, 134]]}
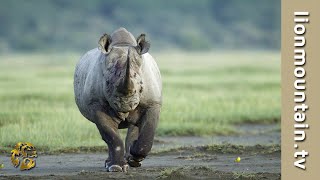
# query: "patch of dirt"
{"points": [[171, 158], [189, 163]]}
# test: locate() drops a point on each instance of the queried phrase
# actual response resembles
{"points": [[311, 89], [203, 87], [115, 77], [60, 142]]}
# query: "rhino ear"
{"points": [[104, 43], [143, 45]]}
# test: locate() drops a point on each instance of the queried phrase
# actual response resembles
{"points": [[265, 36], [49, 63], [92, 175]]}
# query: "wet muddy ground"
{"points": [[172, 158]]}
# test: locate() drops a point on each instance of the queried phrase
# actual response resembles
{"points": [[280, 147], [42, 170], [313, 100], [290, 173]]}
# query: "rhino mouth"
{"points": [[122, 115], [123, 105]]}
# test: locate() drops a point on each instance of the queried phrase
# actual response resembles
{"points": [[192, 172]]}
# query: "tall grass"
{"points": [[204, 93]]}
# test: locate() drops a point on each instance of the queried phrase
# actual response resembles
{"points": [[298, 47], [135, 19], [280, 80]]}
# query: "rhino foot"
{"points": [[107, 163], [117, 168], [133, 162], [125, 168]]}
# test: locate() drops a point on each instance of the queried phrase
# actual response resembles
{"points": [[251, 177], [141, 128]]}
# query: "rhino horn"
{"points": [[127, 87]]}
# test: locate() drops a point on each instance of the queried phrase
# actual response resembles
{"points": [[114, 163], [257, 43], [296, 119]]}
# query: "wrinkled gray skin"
{"points": [[118, 85]]}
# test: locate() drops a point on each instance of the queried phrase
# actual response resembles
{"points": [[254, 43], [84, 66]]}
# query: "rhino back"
{"points": [[152, 92], [87, 78]]}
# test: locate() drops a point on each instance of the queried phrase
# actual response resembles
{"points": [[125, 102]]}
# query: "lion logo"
{"points": [[25, 151]]}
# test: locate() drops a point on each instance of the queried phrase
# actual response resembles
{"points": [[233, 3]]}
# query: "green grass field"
{"points": [[204, 94]]}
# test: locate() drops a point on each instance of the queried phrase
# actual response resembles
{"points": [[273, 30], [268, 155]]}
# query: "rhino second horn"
{"points": [[127, 86]]}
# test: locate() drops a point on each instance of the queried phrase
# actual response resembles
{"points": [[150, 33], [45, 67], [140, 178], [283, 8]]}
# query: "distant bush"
{"points": [[192, 25]]}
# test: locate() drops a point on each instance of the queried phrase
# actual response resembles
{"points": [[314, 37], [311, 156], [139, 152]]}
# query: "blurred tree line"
{"points": [[76, 25]]}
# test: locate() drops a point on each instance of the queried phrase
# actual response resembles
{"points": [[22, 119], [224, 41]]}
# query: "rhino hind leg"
{"points": [[109, 133], [142, 146], [108, 160], [132, 136]]}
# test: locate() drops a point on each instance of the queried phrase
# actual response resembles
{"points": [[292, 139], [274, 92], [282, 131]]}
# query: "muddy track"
{"points": [[172, 158]]}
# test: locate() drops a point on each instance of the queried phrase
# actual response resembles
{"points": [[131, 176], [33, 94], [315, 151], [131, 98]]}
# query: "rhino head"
{"points": [[121, 66]]}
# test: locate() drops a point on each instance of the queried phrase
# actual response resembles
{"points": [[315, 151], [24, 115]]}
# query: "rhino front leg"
{"points": [[147, 126], [108, 160], [108, 129], [132, 136]]}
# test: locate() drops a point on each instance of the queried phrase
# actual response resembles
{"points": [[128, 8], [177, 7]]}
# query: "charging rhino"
{"points": [[118, 85]]}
